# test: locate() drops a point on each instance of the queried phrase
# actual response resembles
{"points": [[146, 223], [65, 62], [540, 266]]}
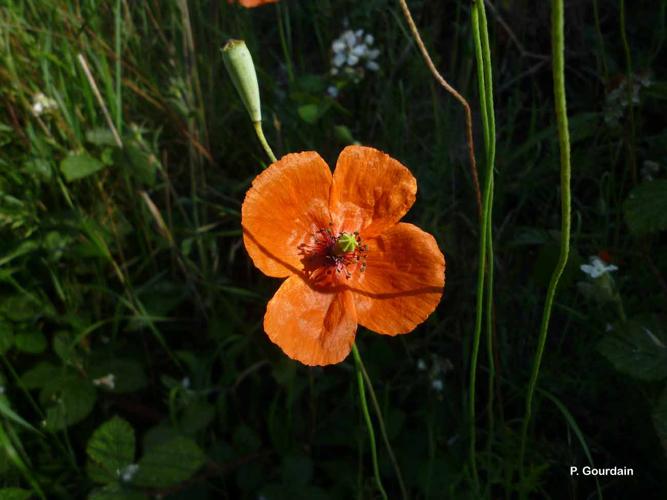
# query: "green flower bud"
{"points": [[238, 62]]}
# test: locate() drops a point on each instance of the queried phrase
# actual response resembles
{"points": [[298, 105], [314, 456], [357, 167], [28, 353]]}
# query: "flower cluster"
{"points": [[352, 54], [620, 97], [42, 104]]}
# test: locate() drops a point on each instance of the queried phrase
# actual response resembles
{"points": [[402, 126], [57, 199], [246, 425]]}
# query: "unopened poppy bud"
{"points": [[346, 243], [241, 69]]}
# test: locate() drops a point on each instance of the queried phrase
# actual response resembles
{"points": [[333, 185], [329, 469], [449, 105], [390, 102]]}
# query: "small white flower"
{"points": [[42, 104], [597, 267], [338, 46], [369, 39], [108, 381], [421, 365], [2, 389], [437, 385], [649, 169], [372, 65], [127, 473], [332, 90], [185, 383], [338, 59]]}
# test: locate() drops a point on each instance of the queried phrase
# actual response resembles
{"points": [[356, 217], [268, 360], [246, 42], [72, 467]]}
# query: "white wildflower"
{"points": [[437, 385], [421, 365], [332, 90], [108, 381], [597, 267], [127, 473], [352, 52], [2, 389], [185, 383], [42, 104]]}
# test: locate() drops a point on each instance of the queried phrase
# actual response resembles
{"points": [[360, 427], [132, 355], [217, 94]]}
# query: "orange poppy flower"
{"points": [[347, 258], [249, 4]]}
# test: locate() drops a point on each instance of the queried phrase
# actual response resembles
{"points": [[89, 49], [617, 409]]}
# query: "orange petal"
{"points": [[371, 191], [254, 3], [286, 204], [309, 326], [403, 280]]}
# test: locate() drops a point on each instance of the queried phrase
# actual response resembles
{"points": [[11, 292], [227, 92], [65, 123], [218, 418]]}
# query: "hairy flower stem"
{"points": [[367, 417], [262, 139], [558, 67], [383, 431], [485, 273]]}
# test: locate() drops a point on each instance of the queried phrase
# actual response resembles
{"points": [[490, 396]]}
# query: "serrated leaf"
{"points": [[129, 375], [79, 165], [646, 207], [111, 448], [169, 463], [660, 419], [69, 399], [637, 350]]}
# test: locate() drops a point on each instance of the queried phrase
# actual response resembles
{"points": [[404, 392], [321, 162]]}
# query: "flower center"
{"points": [[329, 255]]}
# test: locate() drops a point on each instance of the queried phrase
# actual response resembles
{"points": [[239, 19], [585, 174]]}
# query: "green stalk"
{"points": [[558, 66], [485, 82], [367, 417], [628, 85], [262, 139], [118, 47], [491, 163]]}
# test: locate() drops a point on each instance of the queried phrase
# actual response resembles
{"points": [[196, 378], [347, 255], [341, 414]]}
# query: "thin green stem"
{"points": [[485, 82], [629, 84], [383, 430], [262, 139], [558, 66], [367, 418]]}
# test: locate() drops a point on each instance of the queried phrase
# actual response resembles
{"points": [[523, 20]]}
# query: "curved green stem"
{"points": [[262, 139], [367, 417], [558, 66]]}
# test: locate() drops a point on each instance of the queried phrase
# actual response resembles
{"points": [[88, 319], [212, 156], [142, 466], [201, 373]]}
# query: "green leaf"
{"points": [[15, 494], [297, 470], [169, 463], [111, 448], [660, 418], [116, 491], [79, 165], [20, 308], [6, 336], [637, 350], [30, 342], [69, 399], [40, 375], [142, 163], [196, 416], [309, 113], [646, 207], [129, 375], [100, 136]]}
